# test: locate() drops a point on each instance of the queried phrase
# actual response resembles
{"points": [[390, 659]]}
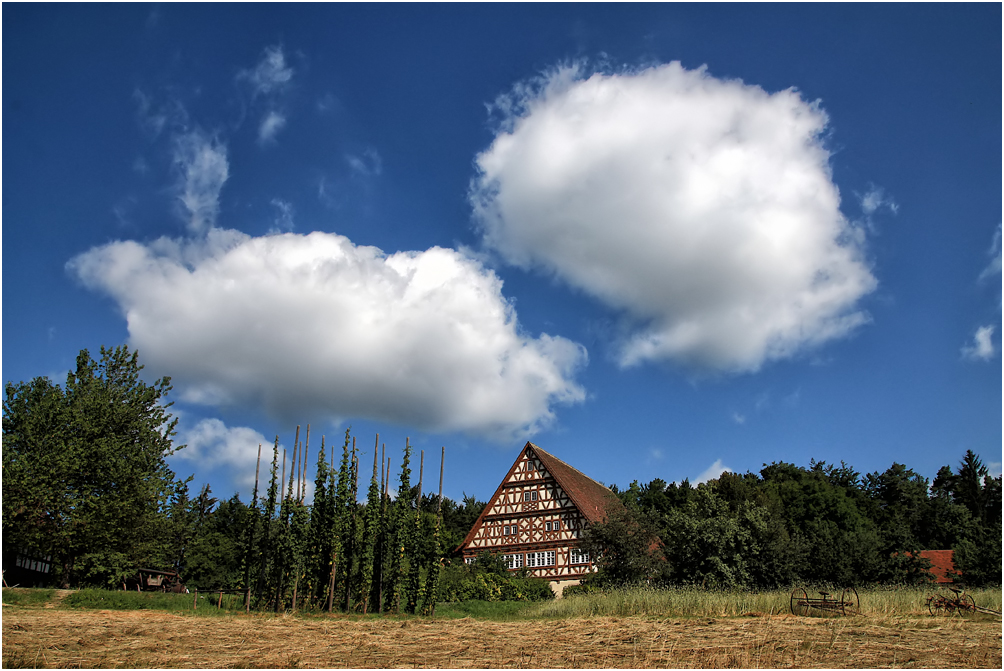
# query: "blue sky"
{"points": [[658, 240]]}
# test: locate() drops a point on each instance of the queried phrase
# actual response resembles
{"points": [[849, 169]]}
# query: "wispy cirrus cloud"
{"points": [[875, 199], [271, 74], [202, 167], [268, 80], [702, 209], [270, 126], [981, 348], [994, 267]]}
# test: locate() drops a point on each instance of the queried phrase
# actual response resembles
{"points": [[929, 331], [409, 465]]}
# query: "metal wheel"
{"points": [[936, 605], [799, 601], [967, 603], [849, 602]]}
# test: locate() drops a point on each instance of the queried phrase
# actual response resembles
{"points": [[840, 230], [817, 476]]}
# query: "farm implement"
{"points": [[847, 604], [960, 602]]}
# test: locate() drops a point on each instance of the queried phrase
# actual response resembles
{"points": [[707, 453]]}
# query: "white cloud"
{"points": [[304, 324], [738, 418], [268, 80], [703, 209], [212, 445], [712, 472], [284, 220], [271, 74], [982, 347], [202, 168], [994, 268], [368, 164], [270, 126], [876, 198]]}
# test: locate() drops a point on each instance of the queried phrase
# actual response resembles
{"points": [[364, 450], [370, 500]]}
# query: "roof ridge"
{"points": [[567, 465]]}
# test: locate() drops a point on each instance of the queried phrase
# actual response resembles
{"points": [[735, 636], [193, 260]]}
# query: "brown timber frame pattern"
{"points": [[542, 506]]}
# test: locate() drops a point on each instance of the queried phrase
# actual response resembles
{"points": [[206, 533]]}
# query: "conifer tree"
{"points": [[371, 533], [432, 579], [398, 534], [413, 586]]}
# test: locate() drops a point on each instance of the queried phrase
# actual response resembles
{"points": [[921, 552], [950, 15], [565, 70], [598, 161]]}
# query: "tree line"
{"points": [[789, 524], [86, 484]]}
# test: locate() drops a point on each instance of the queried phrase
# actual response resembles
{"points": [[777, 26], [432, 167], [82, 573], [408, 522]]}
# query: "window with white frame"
{"points": [[577, 556], [534, 559], [469, 560], [552, 526], [530, 496], [514, 561]]}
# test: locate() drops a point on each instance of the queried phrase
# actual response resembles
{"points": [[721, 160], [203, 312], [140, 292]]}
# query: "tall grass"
{"points": [[208, 602], [697, 602]]}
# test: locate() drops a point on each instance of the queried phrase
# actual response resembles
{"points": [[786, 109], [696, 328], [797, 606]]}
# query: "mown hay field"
{"points": [[57, 637]]}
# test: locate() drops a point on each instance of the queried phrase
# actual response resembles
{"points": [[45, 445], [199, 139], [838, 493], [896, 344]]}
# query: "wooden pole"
{"points": [[442, 458], [306, 451], [296, 462], [195, 604], [421, 470], [282, 483], [331, 582], [381, 538]]}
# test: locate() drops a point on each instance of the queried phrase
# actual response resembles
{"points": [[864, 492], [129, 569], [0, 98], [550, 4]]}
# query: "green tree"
{"points": [[85, 475], [625, 548]]}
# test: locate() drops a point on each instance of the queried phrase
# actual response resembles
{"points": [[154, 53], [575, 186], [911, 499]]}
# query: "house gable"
{"points": [[537, 515]]}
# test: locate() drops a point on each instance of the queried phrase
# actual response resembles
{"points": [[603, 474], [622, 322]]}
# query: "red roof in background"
{"points": [[942, 565], [592, 499]]}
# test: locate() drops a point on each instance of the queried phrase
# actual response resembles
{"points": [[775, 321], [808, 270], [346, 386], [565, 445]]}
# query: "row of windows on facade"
{"points": [[512, 530], [538, 559], [32, 564]]}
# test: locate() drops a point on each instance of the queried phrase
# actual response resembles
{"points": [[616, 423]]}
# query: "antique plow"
{"points": [[847, 604], [962, 603]]}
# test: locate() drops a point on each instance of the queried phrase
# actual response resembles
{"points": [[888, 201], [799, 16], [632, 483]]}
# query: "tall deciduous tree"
{"points": [[85, 476]]}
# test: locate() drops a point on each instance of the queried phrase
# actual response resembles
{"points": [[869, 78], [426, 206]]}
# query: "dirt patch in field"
{"points": [[148, 639]]}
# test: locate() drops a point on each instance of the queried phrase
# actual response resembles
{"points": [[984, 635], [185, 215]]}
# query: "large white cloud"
{"points": [[703, 209], [305, 324]]}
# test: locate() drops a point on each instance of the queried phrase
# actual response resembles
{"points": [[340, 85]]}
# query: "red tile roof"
{"points": [[592, 499], [942, 564]]}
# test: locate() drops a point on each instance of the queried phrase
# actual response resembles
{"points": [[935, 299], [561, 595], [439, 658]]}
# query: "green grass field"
{"points": [[670, 602]]}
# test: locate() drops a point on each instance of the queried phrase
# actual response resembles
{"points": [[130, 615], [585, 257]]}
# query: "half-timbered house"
{"points": [[536, 518]]}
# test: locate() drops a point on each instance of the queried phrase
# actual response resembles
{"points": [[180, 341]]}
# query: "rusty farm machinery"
{"points": [[959, 603], [847, 604]]}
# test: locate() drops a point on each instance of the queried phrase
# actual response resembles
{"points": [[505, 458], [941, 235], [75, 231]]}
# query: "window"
{"points": [[530, 496], [509, 530], [468, 560], [540, 558], [552, 526], [577, 556], [514, 561]]}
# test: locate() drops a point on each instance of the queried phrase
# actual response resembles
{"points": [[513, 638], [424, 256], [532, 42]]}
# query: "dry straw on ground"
{"points": [[149, 639]]}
